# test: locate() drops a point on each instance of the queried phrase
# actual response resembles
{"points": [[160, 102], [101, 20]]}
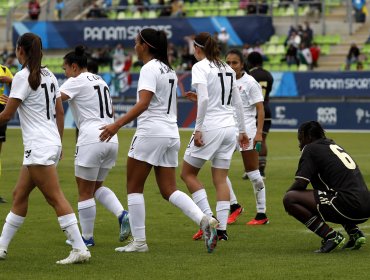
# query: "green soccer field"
{"points": [[282, 249]]}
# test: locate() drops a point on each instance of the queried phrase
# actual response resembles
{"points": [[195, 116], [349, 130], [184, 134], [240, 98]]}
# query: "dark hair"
{"points": [[205, 41], [255, 59], [32, 46], [311, 130], [93, 66], [240, 55], [157, 43], [77, 56]]}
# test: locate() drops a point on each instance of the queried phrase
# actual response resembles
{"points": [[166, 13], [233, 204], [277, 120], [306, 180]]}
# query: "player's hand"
{"points": [[198, 141], [243, 141], [257, 142], [191, 95], [3, 99], [108, 132], [5, 79]]}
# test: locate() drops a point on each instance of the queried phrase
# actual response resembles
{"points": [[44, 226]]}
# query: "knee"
{"points": [[288, 201]]}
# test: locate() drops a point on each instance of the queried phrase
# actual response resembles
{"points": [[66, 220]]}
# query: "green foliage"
{"points": [[282, 249]]}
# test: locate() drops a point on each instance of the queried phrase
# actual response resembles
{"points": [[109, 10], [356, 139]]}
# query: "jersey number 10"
{"points": [[107, 101]]}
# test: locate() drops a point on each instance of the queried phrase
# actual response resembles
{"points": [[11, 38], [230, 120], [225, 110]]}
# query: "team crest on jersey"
{"points": [[27, 153]]}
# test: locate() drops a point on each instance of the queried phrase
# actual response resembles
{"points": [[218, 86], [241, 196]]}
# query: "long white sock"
{"points": [[136, 208], [259, 190], [222, 210], [200, 199], [87, 214], [68, 223], [187, 205], [233, 199], [12, 224], [109, 200]]}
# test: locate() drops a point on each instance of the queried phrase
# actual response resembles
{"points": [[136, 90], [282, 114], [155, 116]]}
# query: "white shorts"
{"points": [[101, 154], [42, 156], [157, 151], [251, 133], [219, 145], [96, 174]]}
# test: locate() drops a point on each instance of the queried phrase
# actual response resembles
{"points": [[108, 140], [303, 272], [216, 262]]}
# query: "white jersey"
{"points": [[37, 110], [160, 119], [250, 93], [220, 83], [91, 106]]}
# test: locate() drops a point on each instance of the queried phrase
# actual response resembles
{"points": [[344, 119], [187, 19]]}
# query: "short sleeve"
{"points": [[198, 74], [306, 167], [71, 87], [147, 79], [20, 87], [255, 92]]}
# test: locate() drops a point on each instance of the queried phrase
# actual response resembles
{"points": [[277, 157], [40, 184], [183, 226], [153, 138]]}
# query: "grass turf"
{"points": [[282, 249]]}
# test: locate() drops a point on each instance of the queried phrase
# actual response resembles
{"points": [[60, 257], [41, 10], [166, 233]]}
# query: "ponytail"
{"points": [[32, 47], [210, 48], [157, 43]]}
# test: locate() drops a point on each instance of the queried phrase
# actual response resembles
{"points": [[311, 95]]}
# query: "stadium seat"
{"points": [[325, 49]]}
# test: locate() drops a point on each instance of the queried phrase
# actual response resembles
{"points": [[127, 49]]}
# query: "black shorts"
{"points": [[330, 207], [267, 122], [266, 126], [2, 127]]}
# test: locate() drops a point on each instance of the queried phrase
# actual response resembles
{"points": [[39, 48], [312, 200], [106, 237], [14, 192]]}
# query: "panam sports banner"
{"points": [[99, 33]]}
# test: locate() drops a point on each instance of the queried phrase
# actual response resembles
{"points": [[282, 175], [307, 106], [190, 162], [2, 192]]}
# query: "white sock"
{"points": [[187, 205], [200, 199], [109, 200], [136, 208], [222, 210], [259, 190], [68, 223], [87, 214], [233, 199], [12, 224]]}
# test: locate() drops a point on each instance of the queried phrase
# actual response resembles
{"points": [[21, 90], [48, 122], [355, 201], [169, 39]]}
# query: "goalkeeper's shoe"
{"points": [[76, 256], [234, 214], [124, 226], [3, 254], [260, 219], [198, 235], [208, 226], [222, 235], [134, 246], [330, 244], [355, 241]]}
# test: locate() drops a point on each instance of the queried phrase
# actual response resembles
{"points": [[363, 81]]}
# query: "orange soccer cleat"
{"points": [[234, 215], [198, 235]]}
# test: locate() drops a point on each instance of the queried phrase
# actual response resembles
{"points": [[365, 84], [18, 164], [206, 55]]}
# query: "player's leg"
{"points": [[18, 213], [263, 152], [356, 237], [137, 173], [235, 208], [302, 205], [250, 160], [2, 139]]}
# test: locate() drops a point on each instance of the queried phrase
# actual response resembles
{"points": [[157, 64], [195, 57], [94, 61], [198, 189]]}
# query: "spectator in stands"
{"points": [[96, 11], [252, 7], [34, 9], [58, 9], [4, 55], [308, 30], [12, 63], [263, 7], [290, 31], [359, 66], [305, 56], [247, 49], [177, 8], [172, 54], [243, 4], [352, 56], [315, 54], [223, 38], [291, 56], [294, 40], [257, 48]]}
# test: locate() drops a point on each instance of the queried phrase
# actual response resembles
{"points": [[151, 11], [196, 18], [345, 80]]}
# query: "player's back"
{"points": [[265, 79]]}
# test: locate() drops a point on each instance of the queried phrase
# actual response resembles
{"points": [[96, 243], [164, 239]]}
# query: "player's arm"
{"points": [[9, 111], [59, 112], [141, 106], [260, 120], [238, 105], [202, 101], [64, 96], [299, 185]]}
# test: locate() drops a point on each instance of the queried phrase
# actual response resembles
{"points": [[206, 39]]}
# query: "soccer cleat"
{"points": [[245, 176], [234, 215], [124, 226], [88, 242], [2, 200], [208, 226], [355, 241], [198, 235], [255, 222], [76, 256], [222, 235], [3, 254], [134, 246], [332, 243]]}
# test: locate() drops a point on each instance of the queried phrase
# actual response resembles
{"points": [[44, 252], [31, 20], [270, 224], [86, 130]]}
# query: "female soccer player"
{"points": [[91, 105], [251, 94], [35, 93], [156, 141], [214, 134], [339, 194]]}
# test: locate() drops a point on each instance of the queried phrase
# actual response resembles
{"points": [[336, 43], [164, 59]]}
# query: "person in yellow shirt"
{"points": [[6, 78]]}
